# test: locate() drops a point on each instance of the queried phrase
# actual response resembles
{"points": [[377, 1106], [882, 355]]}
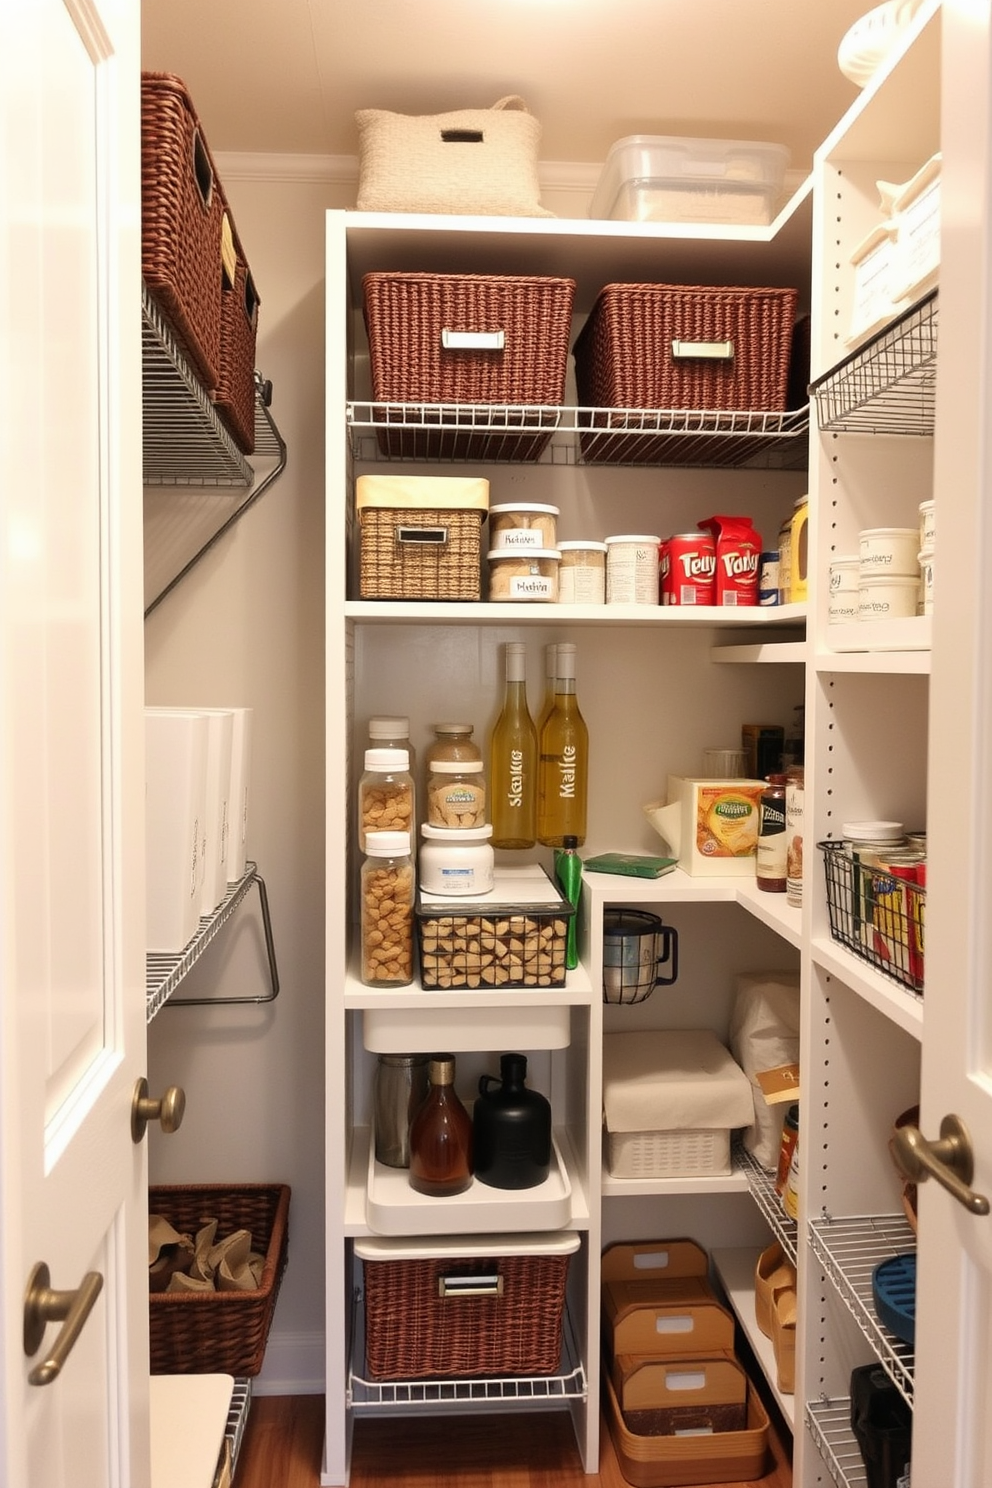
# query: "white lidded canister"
{"points": [[926, 581], [456, 861], [523, 524], [842, 602], [582, 572], [889, 550], [928, 524], [632, 569], [888, 596]]}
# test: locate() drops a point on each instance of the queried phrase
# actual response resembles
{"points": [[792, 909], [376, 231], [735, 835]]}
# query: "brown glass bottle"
{"points": [[441, 1135]]}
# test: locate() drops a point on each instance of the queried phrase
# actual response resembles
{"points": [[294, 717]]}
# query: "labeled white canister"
{"points": [[582, 572], [888, 596], [632, 569], [928, 525], [524, 574], [926, 582], [456, 860], [889, 550], [523, 524], [842, 603]]}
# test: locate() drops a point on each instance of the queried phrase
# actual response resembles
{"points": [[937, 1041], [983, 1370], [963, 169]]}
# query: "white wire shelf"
{"points": [[164, 971], [849, 1250], [569, 436], [829, 1424], [237, 1419], [443, 1396], [887, 386], [762, 1187]]}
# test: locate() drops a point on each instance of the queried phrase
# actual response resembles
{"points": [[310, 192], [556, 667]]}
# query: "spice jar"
{"points": [[387, 890], [456, 794], [385, 794], [456, 860]]}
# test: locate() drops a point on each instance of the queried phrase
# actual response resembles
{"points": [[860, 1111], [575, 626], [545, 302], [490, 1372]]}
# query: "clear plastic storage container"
{"points": [[667, 178]]}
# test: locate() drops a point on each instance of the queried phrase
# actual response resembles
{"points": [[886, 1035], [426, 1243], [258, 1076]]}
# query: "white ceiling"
{"points": [[286, 76]]}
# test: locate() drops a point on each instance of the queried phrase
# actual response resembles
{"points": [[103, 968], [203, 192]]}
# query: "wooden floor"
{"points": [[284, 1440]]}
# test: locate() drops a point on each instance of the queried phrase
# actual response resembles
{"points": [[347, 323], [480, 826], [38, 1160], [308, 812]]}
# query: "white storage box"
{"points": [[916, 211], [175, 804], [874, 266], [670, 1101], [216, 833], [667, 178], [237, 840]]}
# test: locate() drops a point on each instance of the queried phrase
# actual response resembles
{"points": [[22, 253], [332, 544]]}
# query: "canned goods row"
{"points": [[716, 565], [888, 895]]}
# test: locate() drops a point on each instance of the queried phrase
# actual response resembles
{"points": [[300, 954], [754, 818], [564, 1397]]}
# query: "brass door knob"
{"points": [[168, 1111], [951, 1160], [44, 1305]]}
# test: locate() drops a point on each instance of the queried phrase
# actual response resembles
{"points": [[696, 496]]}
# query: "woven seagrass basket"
{"points": [[414, 1331], [220, 1332], [234, 397], [445, 567], [181, 212]]}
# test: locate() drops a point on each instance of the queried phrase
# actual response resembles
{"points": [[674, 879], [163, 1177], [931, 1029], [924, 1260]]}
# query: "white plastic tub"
{"points": [[888, 597], [889, 550], [668, 178]]}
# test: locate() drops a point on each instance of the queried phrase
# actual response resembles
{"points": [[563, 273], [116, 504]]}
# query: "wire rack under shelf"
{"points": [[849, 1250], [762, 1187], [829, 1424], [164, 971], [569, 436], [237, 1419], [889, 385]]}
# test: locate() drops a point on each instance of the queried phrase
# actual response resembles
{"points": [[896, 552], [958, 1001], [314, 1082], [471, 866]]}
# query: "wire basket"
{"points": [[637, 949], [220, 1332], [877, 913]]}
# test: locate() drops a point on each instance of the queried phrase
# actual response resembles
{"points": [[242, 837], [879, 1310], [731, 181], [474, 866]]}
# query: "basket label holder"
{"points": [[472, 340], [709, 351]]}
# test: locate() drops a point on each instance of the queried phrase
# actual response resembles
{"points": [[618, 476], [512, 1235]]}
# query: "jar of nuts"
{"points": [[385, 794], [387, 910], [456, 793]]}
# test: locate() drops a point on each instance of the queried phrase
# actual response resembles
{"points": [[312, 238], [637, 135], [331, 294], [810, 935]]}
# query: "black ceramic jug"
{"points": [[511, 1129]]}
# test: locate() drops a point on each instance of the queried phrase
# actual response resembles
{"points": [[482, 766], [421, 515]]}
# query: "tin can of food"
{"points": [[632, 569], [895, 894], [690, 578], [768, 579]]}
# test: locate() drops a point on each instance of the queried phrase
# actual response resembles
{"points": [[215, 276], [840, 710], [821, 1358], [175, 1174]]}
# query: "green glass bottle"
{"points": [[563, 769], [513, 760]]}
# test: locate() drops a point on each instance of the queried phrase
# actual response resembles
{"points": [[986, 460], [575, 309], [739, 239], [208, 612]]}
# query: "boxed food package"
{"points": [[711, 826], [671, 1099]]}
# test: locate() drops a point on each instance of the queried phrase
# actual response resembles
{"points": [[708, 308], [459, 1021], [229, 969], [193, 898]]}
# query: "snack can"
{"points": [[690, 578]]}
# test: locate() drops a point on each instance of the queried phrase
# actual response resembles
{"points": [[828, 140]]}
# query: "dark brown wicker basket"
{"points": [[625, 357], [411, 1332], [447, 569], [181, 211], [406, 316], [220, 1332], [234, 398]]}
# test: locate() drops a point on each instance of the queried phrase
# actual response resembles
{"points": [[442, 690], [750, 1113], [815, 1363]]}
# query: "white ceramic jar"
{"points": [[456, 861]]}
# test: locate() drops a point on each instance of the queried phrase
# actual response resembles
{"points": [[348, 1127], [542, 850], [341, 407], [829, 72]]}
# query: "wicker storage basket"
{"points": [[220, 1332], [421, 536], [472, 1312], [234, 398], [682, 347], [181, 213], [424, 335]]}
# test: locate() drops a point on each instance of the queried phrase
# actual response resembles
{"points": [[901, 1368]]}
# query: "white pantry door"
{"points": [[72, 1023], [952, 1428]]}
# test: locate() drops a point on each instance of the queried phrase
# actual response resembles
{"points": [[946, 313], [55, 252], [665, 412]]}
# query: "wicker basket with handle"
{"points": [[220, 1332], [181, 213]]}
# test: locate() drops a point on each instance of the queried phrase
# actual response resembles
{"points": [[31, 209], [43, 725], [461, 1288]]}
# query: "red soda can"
{"points": [[691, 575]]}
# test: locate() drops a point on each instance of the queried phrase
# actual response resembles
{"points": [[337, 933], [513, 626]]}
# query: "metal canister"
{"points": [[895, 917], [400, 1087], [691, 570]]}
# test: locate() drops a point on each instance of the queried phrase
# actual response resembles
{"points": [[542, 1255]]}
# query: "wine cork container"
{"points": [[525, 525]]}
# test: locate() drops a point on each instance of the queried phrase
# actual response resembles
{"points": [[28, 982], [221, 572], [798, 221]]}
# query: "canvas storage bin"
{"points": [[477, 161], [234, 396], [421, 536], [464, 1308], [469, 339], [675, 1461], [181, 214], [670, 1101]]}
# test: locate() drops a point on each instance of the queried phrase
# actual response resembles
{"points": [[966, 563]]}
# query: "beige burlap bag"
{"points": [[475, 161]]}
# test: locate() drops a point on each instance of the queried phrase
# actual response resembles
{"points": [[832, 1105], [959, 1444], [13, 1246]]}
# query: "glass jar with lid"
{"points": [[388, 891], [456, 793], [452, 741]]}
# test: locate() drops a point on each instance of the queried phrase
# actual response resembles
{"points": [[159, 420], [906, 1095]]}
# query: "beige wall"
{"points": [[246, 627]]}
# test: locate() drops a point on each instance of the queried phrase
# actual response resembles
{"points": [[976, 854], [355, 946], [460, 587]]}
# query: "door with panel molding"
{"points": [[73, 1184]]}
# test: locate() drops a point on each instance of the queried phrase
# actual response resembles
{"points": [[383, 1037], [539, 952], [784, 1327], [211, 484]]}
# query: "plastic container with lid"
{"points": [[888, 550], [670, 178], [632, 569], [385, 794], [868, 834], [523, 524], [582, 572], [456, 794], [388, 892], [524, 574], [928, 525], [456, 860], [393, 732], [452, 741], [888, 596]]}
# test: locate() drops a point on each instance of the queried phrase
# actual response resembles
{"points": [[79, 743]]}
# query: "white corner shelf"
{"points": [[494, 612], [736, 1268], [898, 1004]]}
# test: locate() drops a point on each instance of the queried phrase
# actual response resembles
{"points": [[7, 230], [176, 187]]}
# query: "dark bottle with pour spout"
{"points": [[511, 1129]]}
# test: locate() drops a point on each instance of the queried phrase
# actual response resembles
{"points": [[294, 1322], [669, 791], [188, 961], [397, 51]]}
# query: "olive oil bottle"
{"points": [[513, 760], [563, 769]]}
